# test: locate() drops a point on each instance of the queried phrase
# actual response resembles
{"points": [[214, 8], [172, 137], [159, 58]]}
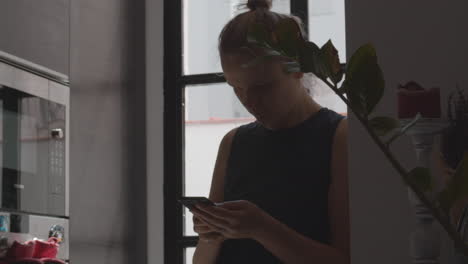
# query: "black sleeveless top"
{"points": [[286, 173]]}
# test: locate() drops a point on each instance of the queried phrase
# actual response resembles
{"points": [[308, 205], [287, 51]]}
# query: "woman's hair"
{"points": [[233, 36], [254, 4]]}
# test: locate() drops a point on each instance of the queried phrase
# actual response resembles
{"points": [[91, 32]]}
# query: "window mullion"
{"points": [[209, 78], [173, 131], [189, 241], [300, 8]]}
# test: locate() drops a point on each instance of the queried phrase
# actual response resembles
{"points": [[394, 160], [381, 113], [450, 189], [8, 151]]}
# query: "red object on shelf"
{"points": [[46, 249], [52, 261], [19, 251], [27, 261], [35, 252], [412, 98]]}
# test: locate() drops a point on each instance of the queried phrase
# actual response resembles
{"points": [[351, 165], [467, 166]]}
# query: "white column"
{"points": [[425, 239]]}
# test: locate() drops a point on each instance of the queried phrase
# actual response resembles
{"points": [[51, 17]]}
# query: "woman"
{"points": [[280, 182]]}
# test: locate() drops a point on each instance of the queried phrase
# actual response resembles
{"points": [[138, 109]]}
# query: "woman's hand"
{"points": [[205, 233], [236, 219]]}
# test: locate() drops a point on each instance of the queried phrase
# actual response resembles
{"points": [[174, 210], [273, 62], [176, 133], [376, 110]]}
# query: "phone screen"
{"points": [[189, 202]]}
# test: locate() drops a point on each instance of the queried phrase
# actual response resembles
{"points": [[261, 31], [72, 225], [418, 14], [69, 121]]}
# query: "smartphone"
{"points": [[189, 202]]}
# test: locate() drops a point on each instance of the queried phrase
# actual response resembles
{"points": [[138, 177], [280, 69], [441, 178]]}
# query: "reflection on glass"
{"points": [[210, 112], [32, 175], [203, 21], [327, 21], [34, 141]]}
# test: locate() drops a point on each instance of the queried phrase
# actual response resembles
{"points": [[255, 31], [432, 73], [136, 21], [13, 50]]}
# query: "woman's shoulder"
{"points": [[245, 128], [230, 135], [325, 122], [334, 115], [339, 122]]}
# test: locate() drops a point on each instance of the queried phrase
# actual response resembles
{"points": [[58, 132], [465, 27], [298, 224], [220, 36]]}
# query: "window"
{"points": [[200, 108]]}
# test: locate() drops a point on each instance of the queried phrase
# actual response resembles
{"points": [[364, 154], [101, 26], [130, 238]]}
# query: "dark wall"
{"points": [[37, 31], [137, 179], [425, 41]]}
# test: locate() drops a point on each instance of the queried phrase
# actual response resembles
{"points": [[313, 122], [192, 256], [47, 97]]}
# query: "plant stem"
{"points": [[405, 175]]}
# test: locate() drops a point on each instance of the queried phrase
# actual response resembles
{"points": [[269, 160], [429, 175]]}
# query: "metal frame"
{"points": [[300, 8], [34, 68], [12, 104], [173, 130], [174, 84], [49, 88]]}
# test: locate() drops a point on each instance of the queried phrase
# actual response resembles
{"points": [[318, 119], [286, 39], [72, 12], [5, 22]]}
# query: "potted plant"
{"points": [[454, 139], [361, 86], [454, 143]]}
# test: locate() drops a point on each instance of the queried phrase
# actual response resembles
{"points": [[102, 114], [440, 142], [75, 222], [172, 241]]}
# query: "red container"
{"points": [[27, 261], [19, 251], [412, 98], [45, 249], [52, 261]]}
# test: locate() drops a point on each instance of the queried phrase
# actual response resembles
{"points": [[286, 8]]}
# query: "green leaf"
{"points": [[364, 80], [288, 37], [367, 82], [331, 61], [382, 125], [310, 59], [258, 60], [272, 52], [445, 199], [292, 66], [421, 177], [457, 187], [343, 89], [461, 175], [284, 43], [258, 34], [363, 54], [403, 130], [357, 101]]}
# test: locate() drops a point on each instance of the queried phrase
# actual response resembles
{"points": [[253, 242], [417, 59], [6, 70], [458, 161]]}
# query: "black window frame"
{"points": [[174, 84]]}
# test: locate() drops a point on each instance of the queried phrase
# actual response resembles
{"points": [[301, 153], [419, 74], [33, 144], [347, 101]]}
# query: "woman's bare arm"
{"points": [[207, 252], [338, 197]]}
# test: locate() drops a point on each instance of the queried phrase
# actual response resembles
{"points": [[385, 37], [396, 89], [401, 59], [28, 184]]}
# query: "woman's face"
{"points": [[265, 90]]}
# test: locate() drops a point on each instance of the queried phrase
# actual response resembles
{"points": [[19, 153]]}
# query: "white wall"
{"points": [[154, 104], [416, 40]]}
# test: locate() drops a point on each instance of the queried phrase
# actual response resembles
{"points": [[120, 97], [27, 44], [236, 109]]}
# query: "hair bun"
{"points": [[256, 4]]}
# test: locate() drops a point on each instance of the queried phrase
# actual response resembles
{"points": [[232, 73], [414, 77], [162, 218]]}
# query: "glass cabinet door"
{"points": [[32, 151]]}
